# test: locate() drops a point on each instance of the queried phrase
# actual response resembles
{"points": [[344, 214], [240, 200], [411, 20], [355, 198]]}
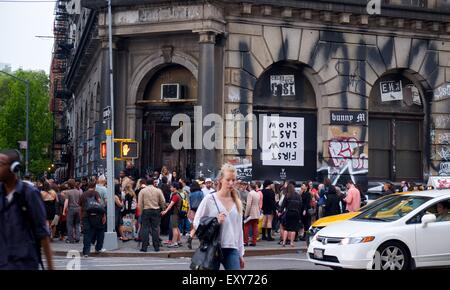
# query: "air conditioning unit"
{"points": [[170, 91]]}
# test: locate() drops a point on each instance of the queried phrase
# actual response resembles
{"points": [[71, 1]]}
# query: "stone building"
{"points": [[368, 94]]}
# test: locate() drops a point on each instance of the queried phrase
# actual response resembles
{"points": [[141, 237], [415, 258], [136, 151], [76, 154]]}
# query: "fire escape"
{"points": [[60, 95]]}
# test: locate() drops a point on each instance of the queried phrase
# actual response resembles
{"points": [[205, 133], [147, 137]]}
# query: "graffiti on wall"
{"points": [[347, 156], [243, 167], [354, 83], [444, 153], [442, 92], [244, 172], [444, 169], [442, 121], [443, 138], [442, 156], [343, 153]]}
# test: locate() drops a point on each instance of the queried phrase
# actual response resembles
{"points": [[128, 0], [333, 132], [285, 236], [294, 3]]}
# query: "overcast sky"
{"points": [[20, 23]]}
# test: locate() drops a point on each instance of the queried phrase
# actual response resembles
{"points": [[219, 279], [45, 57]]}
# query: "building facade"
{"points": [[358, 96]]}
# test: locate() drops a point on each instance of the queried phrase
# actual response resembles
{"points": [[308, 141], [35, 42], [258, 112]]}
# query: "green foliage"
{"points": [[13, 117]]}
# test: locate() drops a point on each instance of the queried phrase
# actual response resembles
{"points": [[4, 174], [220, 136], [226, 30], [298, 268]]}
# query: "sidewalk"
{"points": [[131, 249]]}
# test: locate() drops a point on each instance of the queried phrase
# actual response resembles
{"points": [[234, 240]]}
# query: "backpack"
{"points": [[323, 196], [93, 206], [184, 206]]}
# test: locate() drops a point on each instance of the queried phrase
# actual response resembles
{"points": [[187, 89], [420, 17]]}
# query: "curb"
{"points": [[187, 253]]}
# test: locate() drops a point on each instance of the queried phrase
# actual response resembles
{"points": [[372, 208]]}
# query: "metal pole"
{"points": [[110, 242], [27, 130]]}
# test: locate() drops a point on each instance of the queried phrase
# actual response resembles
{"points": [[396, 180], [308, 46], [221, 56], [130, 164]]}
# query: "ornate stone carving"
{"points": [[167, 53]]}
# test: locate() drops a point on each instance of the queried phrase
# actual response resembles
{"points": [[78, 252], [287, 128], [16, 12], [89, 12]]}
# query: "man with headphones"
{"points": [[23, 229]]}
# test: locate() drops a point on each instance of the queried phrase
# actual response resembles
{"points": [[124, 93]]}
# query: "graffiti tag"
{"points": [[442, 121], [441, 93], [235, 111], [444, 153], [444, 138], [244, 171], [444, 169], [344, 158], [342, 151]]}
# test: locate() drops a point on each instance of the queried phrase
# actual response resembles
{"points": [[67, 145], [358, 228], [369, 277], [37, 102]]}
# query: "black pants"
{"points": [[151, 220], [93, 230], [165, 225]]}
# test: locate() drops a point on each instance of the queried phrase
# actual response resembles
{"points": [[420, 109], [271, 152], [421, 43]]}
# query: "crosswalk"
{"points": [[288, 261]]}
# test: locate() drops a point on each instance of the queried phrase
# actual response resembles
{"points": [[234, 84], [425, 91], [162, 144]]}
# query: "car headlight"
{"points": [[357, 240]]}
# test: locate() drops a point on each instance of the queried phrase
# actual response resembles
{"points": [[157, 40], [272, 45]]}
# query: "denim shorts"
{"points": [[230, 259]]}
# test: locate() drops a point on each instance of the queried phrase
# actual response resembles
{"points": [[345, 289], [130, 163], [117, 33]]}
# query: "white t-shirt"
{"points": [[10, 196], [169, 178], [231, 233], [207, 191]]}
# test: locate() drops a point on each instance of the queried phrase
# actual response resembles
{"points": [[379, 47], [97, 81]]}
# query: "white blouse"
{"points": [[231, 233]]}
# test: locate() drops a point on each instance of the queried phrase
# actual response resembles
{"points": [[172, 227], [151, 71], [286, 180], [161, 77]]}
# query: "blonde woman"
{"points": [[225, 204], [165, 172], [129, 210]]}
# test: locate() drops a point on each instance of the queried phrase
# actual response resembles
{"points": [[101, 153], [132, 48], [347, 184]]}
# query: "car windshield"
{"points": [[377, 202], [392, 209]]}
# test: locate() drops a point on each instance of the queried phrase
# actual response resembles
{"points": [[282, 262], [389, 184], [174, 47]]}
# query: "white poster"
{"points": [[283, 141], [391, 91], [282, 85]]}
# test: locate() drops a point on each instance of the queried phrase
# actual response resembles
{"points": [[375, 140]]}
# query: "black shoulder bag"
{"points": [[209, 254]]}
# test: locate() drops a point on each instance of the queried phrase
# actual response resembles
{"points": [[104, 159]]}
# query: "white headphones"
{"points": [[15, 167]]}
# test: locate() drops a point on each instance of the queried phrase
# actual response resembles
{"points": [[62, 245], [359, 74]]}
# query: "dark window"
{"points": [[408, 157], [380, 148], [397, 160]]}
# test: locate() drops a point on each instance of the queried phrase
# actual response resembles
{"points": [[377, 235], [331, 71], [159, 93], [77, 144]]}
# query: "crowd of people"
{"points": [[167, 204], [164, 204]]}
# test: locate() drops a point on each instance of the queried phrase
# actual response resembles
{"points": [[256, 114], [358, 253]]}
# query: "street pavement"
{"points": [[278, 262], [131, 249]]}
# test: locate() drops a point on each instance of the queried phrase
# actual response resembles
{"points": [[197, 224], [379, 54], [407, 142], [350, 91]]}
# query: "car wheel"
{"points": [[392, 256]]}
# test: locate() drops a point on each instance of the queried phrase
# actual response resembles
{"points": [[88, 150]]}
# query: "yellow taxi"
{"points": [[325, 221]]}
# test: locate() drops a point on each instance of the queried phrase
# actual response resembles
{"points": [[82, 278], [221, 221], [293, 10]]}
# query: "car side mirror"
{"points": [[428, 218]]}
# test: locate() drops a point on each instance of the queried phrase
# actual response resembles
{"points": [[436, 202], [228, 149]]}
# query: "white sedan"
{"points": [[406, 232]]}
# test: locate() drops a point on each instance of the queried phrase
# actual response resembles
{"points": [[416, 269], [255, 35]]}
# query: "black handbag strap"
{"points": [[218, 210]]}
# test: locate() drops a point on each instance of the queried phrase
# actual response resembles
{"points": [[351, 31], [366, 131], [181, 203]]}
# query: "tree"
{"points": [[13, 117]]}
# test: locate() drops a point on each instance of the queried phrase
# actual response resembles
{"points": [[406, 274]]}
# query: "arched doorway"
{"points": [[396, 129], [287, 147], [171, 90]]}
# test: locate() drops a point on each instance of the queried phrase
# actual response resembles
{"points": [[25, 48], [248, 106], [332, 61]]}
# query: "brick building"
{"points": [[370, 93]]}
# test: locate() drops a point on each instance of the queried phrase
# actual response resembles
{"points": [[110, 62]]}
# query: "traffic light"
{"points": [[103, 150], [123, 149], [129, 150]]}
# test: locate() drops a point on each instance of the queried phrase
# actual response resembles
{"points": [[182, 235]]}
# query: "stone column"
{"points": [[206, 159]]}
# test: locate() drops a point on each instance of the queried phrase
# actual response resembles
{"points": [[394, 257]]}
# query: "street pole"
{"points": [[110, 242], [27, 126]]}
